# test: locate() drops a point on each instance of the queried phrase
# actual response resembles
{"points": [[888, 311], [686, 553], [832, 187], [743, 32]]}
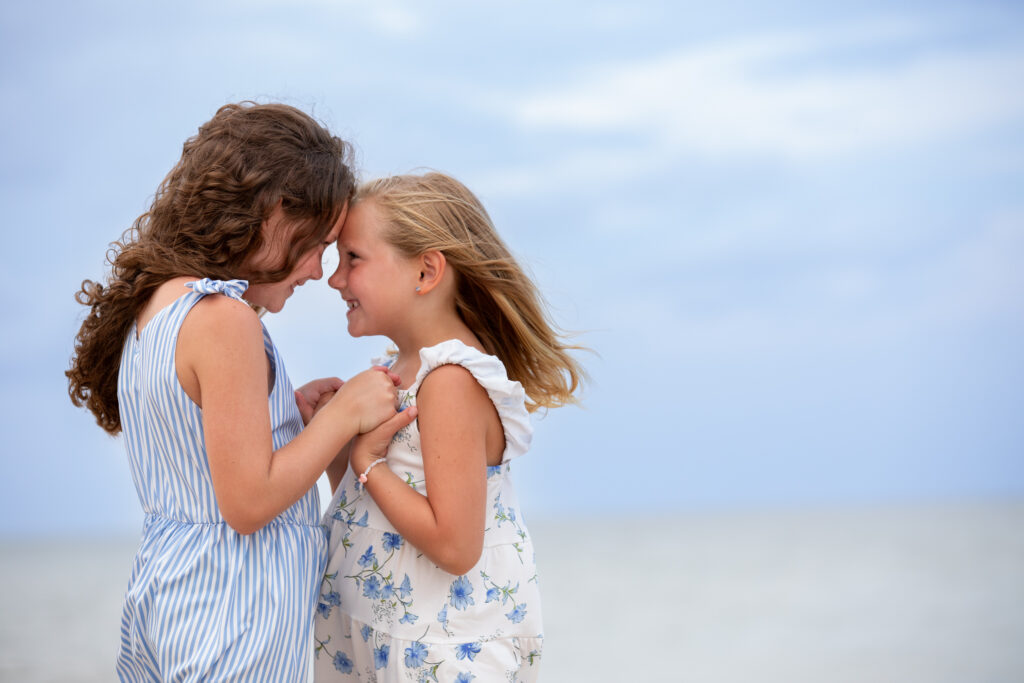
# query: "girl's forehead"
{"points": [[362, 224], [335, 233]]}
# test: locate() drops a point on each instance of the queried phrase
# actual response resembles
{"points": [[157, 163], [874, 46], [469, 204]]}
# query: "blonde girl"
{"points": [[431, 571], [172, 354]]}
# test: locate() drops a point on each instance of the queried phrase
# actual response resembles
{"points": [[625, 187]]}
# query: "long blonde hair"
{"points": [[494, 297]]}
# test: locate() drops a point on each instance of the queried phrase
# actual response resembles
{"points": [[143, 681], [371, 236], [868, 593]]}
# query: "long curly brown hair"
{"points": [[206, 220], [494, 296]]}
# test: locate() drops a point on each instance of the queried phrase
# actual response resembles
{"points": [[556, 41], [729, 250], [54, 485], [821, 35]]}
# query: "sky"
{"points": [[790, 234]]}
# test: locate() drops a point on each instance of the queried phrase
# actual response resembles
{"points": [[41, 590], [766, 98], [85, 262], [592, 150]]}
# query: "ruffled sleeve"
{"points": [[507, 395], [232, 288]]}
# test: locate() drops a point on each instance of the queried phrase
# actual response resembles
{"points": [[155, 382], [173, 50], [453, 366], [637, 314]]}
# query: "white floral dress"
{"points": [[387, 613]]}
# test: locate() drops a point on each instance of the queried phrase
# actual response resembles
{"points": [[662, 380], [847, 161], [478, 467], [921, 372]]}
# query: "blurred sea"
{"points": [[929, 594]]}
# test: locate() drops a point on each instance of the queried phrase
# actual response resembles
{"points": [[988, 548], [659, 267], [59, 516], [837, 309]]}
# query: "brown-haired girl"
{"points": [[173, 354], [431, 571]]}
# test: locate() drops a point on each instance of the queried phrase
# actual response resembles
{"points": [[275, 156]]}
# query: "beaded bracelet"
{"points": [[362, 477]]}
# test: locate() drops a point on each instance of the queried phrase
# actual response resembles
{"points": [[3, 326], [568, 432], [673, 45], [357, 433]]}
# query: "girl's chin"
{"points": [[357, 330], [274, 307]]}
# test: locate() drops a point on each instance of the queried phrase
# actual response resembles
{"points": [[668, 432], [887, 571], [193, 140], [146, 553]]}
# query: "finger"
{"points": [[322, 386], [326, 384], [391, 426], [305, 409], [395, 379], [309, 391]]}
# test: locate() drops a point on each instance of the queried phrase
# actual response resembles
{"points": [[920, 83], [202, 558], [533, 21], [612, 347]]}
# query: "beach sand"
{"points": [[924, 593]]}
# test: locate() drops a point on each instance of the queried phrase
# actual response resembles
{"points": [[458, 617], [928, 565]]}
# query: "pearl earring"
{"points": [[417, 289]]}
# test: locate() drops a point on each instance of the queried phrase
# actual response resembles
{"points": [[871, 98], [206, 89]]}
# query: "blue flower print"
{"points": [[342, 663], [415, 655], [517, 614], [493, 595], [387, 591], [465, 650], [380, 656], [368, 558], [464, 677], [408, 618], [442, 618], [371, 588], [405, 589], [391, 541], [329, 599], [366, 632], [363, 521], [459, 593]]}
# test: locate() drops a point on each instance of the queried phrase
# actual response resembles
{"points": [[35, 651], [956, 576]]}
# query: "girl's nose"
{"points": [[337, 279]]}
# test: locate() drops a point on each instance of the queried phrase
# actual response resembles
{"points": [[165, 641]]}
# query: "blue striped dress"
{"points": [[204, 602]]}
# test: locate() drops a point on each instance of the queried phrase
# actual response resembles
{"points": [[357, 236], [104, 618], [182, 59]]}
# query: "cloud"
{"points": [[395, 20], [836, 303], [800, 97]]}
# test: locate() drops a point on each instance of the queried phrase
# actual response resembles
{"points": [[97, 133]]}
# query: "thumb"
{"points": [[403, 419]]}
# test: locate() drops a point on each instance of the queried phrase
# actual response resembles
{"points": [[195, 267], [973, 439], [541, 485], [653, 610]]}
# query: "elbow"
{"points": [[458, 561], [246, 529], [242, 509], [243, 522]]}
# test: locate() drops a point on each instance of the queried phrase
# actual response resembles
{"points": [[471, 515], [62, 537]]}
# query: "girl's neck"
{"points": [[407, 363]]}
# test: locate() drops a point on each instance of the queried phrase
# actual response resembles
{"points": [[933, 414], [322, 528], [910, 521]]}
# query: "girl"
{"points": [[431, 570], [225, 579]]}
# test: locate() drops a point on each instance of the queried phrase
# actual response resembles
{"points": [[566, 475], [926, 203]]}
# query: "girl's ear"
{"points": [[432, 265]]}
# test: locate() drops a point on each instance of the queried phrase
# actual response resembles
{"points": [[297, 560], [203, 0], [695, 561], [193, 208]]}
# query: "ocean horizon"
{"points": [[930, 593]]}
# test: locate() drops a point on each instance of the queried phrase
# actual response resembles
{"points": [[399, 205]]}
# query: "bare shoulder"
{"points": [[232, 322], [455, 410], [451, 385], [220, 344]]}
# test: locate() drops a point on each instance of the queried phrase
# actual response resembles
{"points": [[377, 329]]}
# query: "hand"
{"points": [[395, 379], [370, 397], [325, 398], [373, 445], [312, 396]]}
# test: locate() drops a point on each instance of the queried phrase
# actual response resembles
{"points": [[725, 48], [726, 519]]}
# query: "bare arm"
{"points": [[336, 470], [455, 419], [253, 483]]}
